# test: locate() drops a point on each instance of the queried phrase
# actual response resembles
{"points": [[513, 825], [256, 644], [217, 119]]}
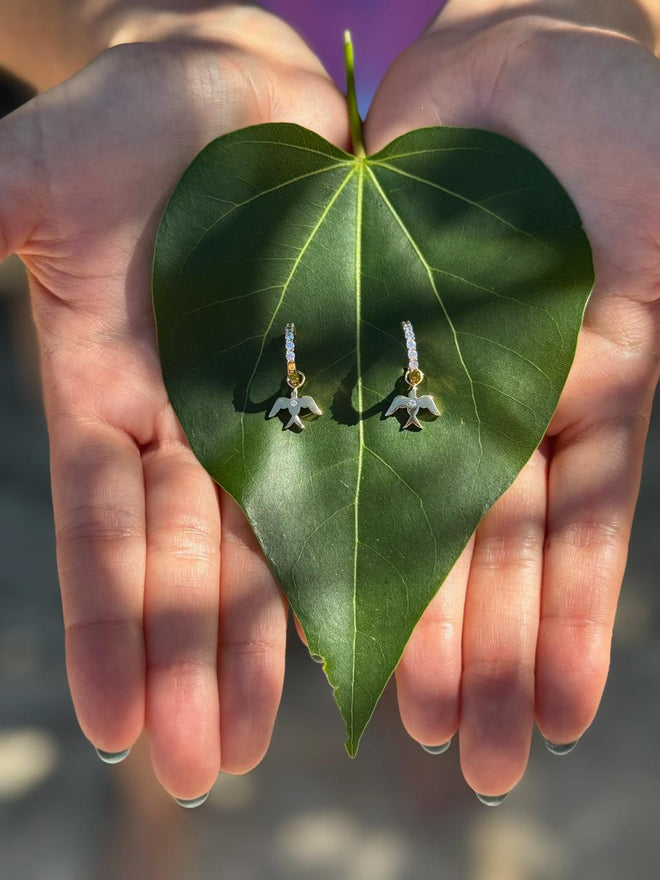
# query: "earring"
{"points": [[413, 376], [295, 379]]}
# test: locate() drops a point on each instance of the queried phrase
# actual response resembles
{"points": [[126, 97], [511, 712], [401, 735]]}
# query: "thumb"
{"points": [[428, 84], [22, 173]]}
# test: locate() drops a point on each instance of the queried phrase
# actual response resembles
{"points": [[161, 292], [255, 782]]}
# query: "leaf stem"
{"points": [[353, 114]]}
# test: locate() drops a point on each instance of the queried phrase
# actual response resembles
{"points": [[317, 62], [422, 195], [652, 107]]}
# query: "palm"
{"points": [[521, 629], [155, 631]]}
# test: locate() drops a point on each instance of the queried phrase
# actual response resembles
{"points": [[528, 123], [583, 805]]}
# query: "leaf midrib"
{"points": [[358, 482]]}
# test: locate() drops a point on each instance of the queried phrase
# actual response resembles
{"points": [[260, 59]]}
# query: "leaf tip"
{"points": [[352, 746]]}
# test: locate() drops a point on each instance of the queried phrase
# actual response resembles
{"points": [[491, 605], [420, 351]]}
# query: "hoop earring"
{"points": [[413, 376], [295, 379]]}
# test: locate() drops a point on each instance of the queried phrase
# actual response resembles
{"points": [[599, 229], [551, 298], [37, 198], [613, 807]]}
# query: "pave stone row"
{"points": [[409, 333], [411, 345], [289, 335], [294, 378]]}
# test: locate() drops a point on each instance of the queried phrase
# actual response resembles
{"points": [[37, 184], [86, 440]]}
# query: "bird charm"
{"points": [[413, 405], [413, 376], [295, 405], [295, 379]]}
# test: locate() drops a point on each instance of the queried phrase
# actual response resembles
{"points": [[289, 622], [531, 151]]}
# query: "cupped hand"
{"points": [[172, 616], [521, 629]]}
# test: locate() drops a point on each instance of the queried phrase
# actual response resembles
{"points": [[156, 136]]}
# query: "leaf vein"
{"points": [[510, 396], [349, 160], [396, 569], [219, 354], [285, 287], [429, 272], [309, 537], [419, 498], [510, 350], [462, 198], [222, 302], [375, 640], [446, 150], [253, 198], [331, 365], [520, 302], [384, 332]]}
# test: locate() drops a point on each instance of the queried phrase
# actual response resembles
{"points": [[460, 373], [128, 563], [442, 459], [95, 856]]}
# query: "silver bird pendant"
{"points": [[295, 405], [413, 404]]}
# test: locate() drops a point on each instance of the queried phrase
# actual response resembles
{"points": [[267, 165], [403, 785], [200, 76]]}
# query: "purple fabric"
{"points": [[381, 29]]}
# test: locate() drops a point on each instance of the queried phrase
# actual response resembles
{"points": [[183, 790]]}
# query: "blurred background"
{"points": [[395, 813]]}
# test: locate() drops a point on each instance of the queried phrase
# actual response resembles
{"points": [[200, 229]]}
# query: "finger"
{"points": [[593, 486], [499, 635], [98, 500], [252, 642], [323, 109], [428, 678], [181, 619], [303, 638], [300, 631]]}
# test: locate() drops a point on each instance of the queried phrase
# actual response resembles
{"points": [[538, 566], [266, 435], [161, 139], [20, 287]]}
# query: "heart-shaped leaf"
{"points": [[462, 232]]}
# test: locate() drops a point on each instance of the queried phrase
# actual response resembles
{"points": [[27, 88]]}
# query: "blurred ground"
{"points": [[308, 812]]}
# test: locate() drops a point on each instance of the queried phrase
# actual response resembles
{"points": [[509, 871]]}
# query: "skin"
{"points": [[521, 630], [158, 633], [173, 619]]}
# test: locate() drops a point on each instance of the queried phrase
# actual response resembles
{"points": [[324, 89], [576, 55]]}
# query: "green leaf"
{"points": [[462, 232]]}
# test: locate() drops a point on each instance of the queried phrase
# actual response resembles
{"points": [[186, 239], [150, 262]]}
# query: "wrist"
{"points": [[638, 19]]}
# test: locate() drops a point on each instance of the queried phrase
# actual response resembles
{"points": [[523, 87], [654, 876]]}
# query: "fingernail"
{"points": [[193, 802], [558, 749], [316, 658], [491, 800], [436, 750], [112, 757]]}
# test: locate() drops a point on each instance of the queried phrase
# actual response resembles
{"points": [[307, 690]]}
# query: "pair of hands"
{"points": [[173, 619]]}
